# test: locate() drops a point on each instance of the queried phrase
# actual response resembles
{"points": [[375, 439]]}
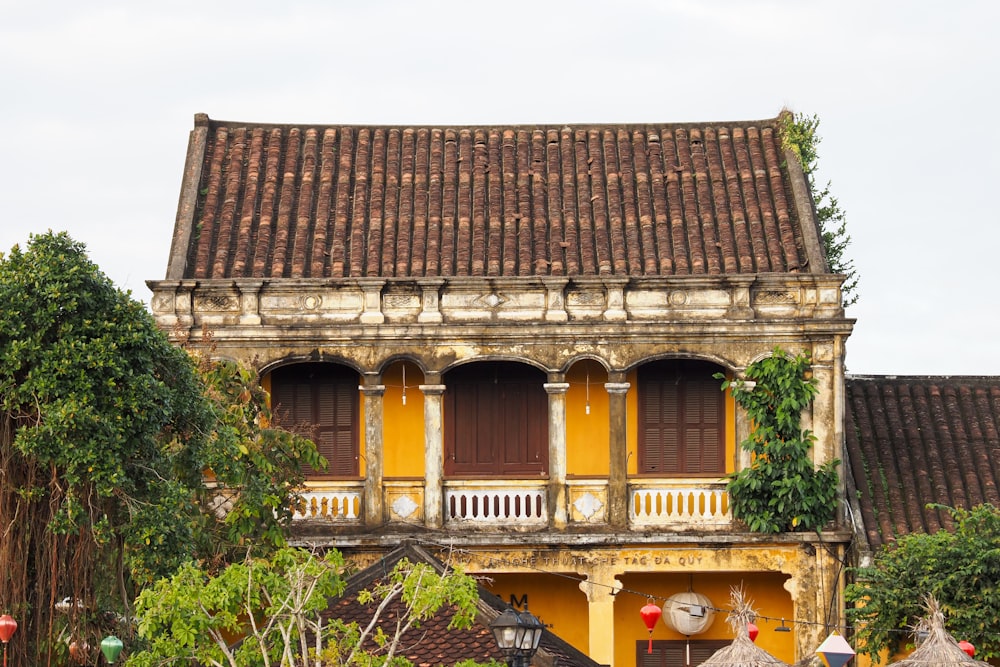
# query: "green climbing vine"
{"points": [[780, 490], [799, 135]]}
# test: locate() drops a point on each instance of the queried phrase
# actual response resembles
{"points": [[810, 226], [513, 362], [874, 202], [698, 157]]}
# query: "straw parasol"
{"points": [[939, 649], [741, 652]]}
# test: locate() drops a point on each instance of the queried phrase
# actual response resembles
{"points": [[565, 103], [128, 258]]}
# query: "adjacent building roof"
{"points": [[330, 201], [433, 643], [917, 441]]}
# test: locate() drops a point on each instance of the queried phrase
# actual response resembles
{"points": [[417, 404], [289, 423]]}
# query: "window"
{"points": [[681, 418], [676, 652], [496, 420], [320, 402]]}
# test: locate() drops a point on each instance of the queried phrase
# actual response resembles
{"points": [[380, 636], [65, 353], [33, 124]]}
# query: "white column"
{"points": [[433, 454], [373, 394], [557, 452]]}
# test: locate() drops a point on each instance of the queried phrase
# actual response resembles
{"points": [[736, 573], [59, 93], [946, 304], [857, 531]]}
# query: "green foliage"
{"points": [[268, 611], [799, 134], [106, 429], [960, 568], [258, 468], [780, 490]]}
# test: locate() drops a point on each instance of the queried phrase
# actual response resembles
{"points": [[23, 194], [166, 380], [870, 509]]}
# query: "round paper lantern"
{"points": [[969, 649], [688, 613]]}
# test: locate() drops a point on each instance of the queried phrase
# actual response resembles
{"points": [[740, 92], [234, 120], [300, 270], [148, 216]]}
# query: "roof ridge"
{"points": [[204, 120]]}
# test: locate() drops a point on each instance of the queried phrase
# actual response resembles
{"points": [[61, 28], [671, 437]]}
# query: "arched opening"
{"points": [[682, 423], [495, 420], [320, 401]]}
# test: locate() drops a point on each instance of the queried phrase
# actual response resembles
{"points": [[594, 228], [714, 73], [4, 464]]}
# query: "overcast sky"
{"points": [[97, 100]]}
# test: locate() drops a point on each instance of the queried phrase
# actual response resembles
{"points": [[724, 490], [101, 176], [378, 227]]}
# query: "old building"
{"points": [[506, 340]]}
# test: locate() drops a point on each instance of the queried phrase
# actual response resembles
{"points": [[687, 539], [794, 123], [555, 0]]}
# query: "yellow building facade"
{"points": [[508, 343]]}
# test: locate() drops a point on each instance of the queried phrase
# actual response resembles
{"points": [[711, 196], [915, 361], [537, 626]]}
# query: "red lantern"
{"points": [[78, 651], [7, 627], [969, 649], [650, 615], [752, 630]]}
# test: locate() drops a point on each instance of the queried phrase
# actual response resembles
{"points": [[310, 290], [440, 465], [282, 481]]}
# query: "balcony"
{"points": [[666, 505]]}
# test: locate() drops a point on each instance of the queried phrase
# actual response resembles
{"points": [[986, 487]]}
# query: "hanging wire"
{"points": [[615, 590]]}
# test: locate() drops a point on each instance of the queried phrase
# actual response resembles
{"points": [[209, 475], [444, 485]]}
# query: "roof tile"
{"points": [[588, 200], [916, 442]]}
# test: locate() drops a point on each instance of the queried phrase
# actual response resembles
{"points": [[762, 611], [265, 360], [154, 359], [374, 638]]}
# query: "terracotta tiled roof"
{"points": [[433, 643], [329, 201], [912, 441]]}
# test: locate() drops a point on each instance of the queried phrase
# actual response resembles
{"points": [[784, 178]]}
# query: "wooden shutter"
{"points": [[496, 420], [320, 402], [682, 419], [676, 652]]}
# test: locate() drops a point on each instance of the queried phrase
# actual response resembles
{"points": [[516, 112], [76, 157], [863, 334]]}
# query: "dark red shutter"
{"points": [[676, 652], [496, 420], [320, 401]]}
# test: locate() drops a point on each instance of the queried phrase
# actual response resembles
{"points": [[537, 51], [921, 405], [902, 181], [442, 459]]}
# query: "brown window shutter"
{"points": [[676, 652], [682, 419], [496, 420], [320, 402]]}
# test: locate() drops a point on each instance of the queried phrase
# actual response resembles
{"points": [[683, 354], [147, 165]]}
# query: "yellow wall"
{"points": [[587, 450], [764, 591], [558, 601], [403, 425]]}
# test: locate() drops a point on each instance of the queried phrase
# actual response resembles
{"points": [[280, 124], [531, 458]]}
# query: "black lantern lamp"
{"points": [[517, 635]]}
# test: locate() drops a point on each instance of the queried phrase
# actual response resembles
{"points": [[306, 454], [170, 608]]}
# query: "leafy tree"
{"points": [[960, 568], [780, 490], [263, 612], [105, 431], [800, 135]]}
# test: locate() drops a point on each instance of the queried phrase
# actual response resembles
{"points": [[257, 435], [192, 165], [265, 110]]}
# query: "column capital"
{"points": [[617, 387], [372, 389], [556, 387], [432, 389]]}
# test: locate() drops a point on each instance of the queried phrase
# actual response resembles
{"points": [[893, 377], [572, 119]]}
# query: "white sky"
{"points": [[97, 100]]}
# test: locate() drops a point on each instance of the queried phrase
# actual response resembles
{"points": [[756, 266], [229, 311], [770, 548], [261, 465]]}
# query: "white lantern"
{"points": [[688, 613]]}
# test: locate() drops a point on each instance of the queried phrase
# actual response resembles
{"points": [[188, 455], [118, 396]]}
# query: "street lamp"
{"points": [[517, 635]]}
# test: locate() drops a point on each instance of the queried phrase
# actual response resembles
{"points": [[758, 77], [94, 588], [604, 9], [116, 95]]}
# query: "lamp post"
{"points": [[7, 627], [517, 635]]}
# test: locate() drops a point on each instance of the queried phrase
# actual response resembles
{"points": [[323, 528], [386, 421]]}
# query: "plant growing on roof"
{"points": [[799, 135], [780, 490]]}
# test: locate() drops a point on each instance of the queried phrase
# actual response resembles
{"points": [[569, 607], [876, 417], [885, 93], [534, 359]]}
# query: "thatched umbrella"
{"points": [[741, 652], [939, 649]]}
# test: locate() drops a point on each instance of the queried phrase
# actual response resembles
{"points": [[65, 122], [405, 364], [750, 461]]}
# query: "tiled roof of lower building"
{"points": [[434, 644], [916, 442], [326, 201]]}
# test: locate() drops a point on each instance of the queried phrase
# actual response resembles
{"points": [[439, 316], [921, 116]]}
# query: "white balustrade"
{"points": [[335, 505], [679, 506], [489, 504]]}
